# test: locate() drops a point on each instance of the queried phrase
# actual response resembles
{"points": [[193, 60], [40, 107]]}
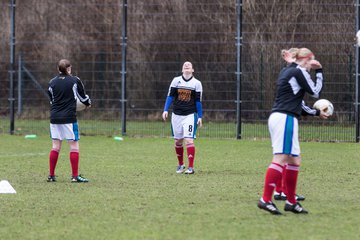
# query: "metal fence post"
{"points": [[238, 67], [12, 66], [123, 68], [357, 56], [19, 110]]}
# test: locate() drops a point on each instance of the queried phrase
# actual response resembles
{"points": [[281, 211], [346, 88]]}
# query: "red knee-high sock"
{"points": [[190, 148], [279, 187], [283, 180], [179, 149], [74, 160], [273, 174], [54, 154], [292, 172]]}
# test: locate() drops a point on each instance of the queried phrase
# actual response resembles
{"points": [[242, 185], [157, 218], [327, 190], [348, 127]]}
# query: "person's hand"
{"points": [[165, 115], [87, 107], [323, 114], [314, 64], [199, 122]]}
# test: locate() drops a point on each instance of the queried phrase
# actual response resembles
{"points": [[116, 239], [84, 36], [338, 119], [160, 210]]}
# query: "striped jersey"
{"points": [[292, 84], [63, 92], [186, 92]]}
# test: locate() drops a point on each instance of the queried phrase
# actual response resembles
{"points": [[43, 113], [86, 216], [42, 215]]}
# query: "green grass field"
{"points": [[134, 192]]}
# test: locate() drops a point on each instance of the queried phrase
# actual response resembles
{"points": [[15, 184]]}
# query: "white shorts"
{"points": [[184, 126], [69, 131], [284, 130]]}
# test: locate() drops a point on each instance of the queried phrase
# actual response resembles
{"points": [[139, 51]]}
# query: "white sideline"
{"points": [[22, 155]]}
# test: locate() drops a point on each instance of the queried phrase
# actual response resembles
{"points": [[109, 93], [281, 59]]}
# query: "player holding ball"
{"points": [[64, 91], [292, 84], [280, 190]]}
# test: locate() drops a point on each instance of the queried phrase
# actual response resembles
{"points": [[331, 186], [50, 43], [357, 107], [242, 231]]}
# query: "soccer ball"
{"points": [[357, 38], [324, 105], [79, 105]]}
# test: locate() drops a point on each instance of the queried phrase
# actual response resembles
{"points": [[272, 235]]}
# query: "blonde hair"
{"points": [[303, 53], [289, 54], [292, 51]]}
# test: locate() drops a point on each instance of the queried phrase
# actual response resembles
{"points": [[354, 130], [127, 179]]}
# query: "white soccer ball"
{"points": [[79, 105], [357, 38], [324, 105]]}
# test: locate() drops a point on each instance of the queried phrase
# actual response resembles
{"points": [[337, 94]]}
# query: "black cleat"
{"points": [[51, 178], [299, 197], [79, 179], [295, 208], [282, 197], [269, 206], [279, 196]]}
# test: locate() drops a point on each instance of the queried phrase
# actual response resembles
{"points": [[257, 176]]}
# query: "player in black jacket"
{"points": [[280, 189], [292, 84], [64, 90]]}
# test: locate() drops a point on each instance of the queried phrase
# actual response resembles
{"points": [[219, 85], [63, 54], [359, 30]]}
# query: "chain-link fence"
{"points": [[325, 27], [87, 33], [161, 35]]}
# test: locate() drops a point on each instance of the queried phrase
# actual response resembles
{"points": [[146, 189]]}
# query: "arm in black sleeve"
{"points": [[308, 111], [305, 81], [85, 99], [49, 92]]}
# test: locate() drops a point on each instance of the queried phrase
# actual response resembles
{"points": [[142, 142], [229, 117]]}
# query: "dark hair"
{"points": [[63, 65]]}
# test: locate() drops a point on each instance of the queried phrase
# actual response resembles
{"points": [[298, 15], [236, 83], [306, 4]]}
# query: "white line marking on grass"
{"points": [[22, 155]]}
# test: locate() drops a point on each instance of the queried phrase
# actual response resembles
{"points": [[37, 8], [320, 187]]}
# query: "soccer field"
{"points": [[134, 192]]}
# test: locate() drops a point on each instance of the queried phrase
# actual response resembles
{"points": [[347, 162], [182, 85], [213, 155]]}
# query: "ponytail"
{"points": [[63, 65], [289, 54]]}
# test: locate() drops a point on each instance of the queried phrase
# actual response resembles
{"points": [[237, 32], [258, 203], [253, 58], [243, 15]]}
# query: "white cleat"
{"points": [[180, 169], [190, 170]]}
